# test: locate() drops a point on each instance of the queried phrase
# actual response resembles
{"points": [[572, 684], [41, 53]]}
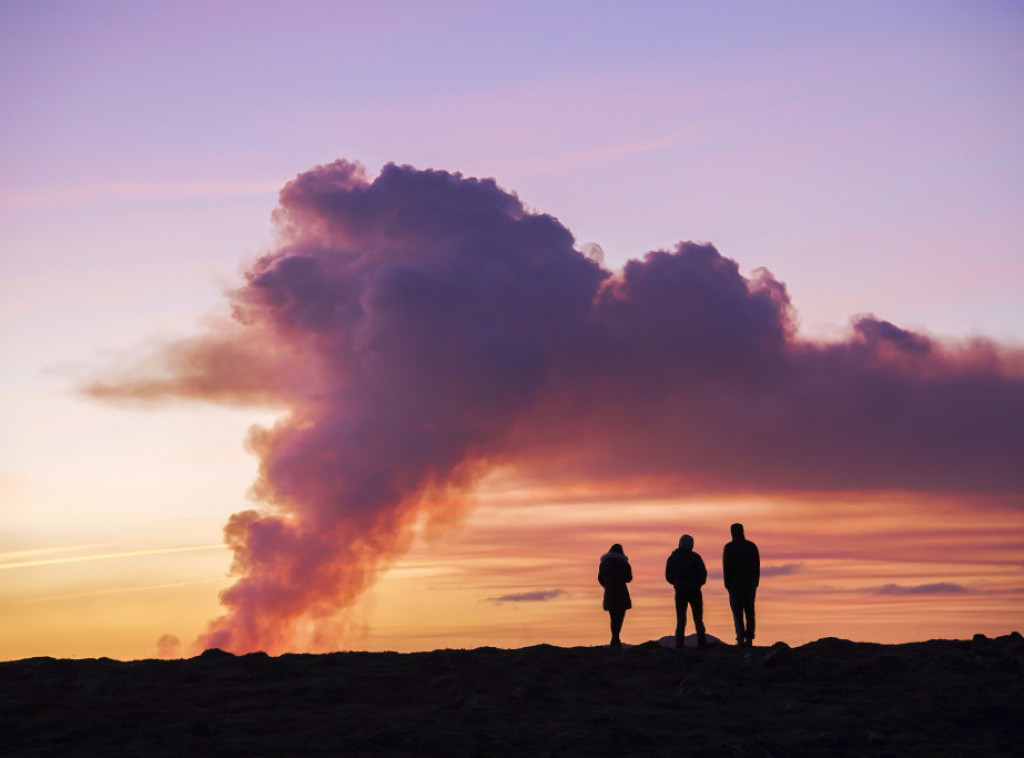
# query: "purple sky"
{"points": [[867, 154]]}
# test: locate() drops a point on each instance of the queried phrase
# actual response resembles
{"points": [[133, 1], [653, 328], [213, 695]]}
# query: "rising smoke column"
{"points": [[404, 324], [421, 328]]}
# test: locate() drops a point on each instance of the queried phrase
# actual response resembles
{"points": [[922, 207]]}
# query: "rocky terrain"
{"points": [[830, 697]]}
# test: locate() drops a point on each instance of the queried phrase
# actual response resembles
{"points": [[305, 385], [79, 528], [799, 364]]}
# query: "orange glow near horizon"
{"points": [[880, 570], [849, 571]]}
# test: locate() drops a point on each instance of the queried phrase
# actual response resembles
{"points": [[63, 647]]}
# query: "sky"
{"points": [[866, 154]]}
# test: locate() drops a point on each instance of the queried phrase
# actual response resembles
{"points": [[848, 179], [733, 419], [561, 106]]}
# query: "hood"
{"points": [[614, 556]]}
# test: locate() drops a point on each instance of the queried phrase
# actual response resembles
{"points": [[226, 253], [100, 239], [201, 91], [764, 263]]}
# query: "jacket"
{"points": [[741, 565], [685, 569]]}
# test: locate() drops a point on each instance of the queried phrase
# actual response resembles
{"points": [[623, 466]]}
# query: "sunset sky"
{"points": [[867, 154]]}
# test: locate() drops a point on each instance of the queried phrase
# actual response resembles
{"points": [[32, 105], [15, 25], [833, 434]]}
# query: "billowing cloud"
{"points": [[420, 329], [537, 596]]}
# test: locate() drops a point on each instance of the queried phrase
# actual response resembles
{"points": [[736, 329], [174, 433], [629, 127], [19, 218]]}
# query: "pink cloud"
{"points": [[421, 328]]}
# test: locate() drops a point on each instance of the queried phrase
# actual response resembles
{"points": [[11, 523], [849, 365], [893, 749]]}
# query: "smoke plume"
{"points": [[421, 328]]}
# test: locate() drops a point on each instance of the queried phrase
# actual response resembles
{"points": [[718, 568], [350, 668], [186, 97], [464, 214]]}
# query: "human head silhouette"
{"points": [[616, 548], [737, 531], [686, 542]]}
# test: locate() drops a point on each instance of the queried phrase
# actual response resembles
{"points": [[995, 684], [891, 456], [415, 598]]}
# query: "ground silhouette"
{"points": [[834, 697]]}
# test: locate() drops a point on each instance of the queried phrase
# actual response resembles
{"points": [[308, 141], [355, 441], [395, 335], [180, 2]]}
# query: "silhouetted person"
{"points": [[613, 574], [741, 567], [685, 571]]}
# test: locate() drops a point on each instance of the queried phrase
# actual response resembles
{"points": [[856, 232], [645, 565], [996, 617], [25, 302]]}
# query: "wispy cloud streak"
{"points": [[935, 588], [537, 596], [107, 556], [769, 570], [111, 591]]}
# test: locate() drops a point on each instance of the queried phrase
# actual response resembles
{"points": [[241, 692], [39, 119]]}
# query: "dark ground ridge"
{"points": [[830, 697]]}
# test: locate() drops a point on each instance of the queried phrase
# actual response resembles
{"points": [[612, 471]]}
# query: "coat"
{"points": [[685, 570], [741, 565], [613, 574]]}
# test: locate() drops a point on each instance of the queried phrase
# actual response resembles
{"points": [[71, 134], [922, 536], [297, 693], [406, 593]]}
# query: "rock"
{"points": [[689, 641], [779, 654]]}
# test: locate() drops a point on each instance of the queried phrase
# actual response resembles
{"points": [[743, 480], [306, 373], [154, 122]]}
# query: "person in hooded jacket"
{"points": [[614, 573], [685, 571], [741, 570]]}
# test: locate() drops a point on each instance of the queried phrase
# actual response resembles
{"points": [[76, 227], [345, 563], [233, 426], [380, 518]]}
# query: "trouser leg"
{"points": [[697, 605], [680, 618], [748, 609], [736, 605]]}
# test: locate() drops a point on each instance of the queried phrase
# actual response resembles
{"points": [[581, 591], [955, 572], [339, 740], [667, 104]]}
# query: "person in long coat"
{"points": [[614, 573]]}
